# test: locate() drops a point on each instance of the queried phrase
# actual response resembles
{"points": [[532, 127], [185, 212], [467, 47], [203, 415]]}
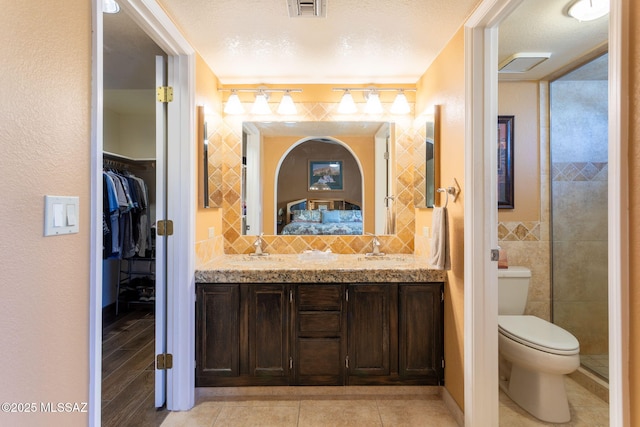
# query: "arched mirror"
{"points": [[317, 178]]}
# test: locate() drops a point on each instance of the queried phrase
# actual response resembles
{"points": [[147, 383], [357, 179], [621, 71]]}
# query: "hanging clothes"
{"points": [[126, 228]]}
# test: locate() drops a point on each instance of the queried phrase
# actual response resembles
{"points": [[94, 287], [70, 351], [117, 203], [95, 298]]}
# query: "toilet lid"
{"points": [[539, 334]]}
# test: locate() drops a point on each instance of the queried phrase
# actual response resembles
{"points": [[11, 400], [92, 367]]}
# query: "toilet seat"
{"points": [[538, 334]]}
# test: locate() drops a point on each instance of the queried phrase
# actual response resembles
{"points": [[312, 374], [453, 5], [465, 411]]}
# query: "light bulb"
{"points": [[233, 105], [287, 107], [400, 104], [347, 104]]}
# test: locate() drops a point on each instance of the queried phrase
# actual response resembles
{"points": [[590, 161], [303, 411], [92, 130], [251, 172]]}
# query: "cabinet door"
{"points": [[421, 332], [369, 330], [217, 326], [319, 335], [268, 338]]}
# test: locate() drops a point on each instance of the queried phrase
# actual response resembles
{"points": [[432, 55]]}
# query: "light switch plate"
{"points": [[61, 215]]}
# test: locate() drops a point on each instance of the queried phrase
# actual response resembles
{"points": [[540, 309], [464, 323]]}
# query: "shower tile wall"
{"points": [[579, 136]]}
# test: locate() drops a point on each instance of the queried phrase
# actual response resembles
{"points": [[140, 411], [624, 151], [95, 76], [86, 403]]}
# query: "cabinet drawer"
{"points": [[320, 322], [319, 298]]}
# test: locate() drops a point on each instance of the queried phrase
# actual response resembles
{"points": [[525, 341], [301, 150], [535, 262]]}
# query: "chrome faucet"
{"points": [[258, 247], [375, 246]]}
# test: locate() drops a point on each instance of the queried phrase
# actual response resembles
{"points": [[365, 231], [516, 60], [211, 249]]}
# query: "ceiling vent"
{"points": [[307, 8], [522, 62]]}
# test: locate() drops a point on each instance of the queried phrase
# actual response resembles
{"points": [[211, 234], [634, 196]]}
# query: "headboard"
{"points": [[311, 204]]}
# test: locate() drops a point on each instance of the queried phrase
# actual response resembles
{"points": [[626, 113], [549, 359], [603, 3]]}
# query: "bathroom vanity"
{"points": [[279, 320]]}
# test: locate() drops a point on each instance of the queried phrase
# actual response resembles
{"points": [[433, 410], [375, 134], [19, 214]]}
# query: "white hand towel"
{"points": [[439, 257]]}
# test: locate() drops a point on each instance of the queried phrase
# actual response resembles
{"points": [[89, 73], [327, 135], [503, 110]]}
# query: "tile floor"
{"points": [[357, 406]]}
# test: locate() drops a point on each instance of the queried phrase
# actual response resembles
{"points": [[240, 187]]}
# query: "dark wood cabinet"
{"points": [[242, 335], [218, 332], [319, 334], [268, 333], [370, 324], [421, 339]]}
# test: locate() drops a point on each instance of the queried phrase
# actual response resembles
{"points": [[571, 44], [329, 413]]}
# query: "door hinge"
{"points": [[495, 254], [346, 362], [164, 361], [164, 227], [164, 94]]}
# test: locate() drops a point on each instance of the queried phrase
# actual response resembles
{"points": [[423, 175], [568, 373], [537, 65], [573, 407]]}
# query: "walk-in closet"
{"points": [[129, 264]]}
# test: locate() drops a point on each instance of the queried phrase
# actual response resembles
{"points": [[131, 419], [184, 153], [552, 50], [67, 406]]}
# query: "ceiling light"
{"points": [[347, 104], [373, 103], [260, 105], [287, 107], [110, 6], [233, 105], [588, 10], [400, 104], [522, 62]]}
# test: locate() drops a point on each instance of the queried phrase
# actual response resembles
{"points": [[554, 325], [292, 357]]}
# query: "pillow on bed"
{"points": [[330, 216], [351, 216], [306, 216]]}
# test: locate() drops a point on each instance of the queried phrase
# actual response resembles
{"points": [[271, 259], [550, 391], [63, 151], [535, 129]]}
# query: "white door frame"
{"points": [[480, 276], [181, 190]]}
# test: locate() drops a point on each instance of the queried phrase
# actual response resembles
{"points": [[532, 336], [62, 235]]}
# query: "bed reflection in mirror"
{"points": [[317, 178]]}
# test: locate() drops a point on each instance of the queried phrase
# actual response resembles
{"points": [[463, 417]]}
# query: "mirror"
{"points": [[432, 156], [317, 178], [427, 174]]}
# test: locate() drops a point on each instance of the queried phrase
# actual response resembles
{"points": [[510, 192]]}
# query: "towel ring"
{"points": [[448, 190]]}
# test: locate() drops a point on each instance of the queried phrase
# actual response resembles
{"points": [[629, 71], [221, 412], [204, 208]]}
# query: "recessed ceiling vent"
{"points": [[522, 62], [307, 8]]}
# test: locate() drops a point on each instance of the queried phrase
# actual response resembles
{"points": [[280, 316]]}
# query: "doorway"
{"points": [[480, 313], [178, 158], [130, 269]]}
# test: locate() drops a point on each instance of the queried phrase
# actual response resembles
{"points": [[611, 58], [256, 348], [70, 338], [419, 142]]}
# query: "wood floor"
{"points": [[128, 350]]}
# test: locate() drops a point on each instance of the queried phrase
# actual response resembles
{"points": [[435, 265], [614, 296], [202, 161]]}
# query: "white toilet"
{"points": [[534, 354]]}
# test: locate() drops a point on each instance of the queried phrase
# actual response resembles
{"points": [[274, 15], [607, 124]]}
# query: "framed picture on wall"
{"points": [[505, 162], [325, 175]]}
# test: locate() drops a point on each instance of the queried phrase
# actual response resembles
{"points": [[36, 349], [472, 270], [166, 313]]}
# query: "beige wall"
{"points": [[634, 207], [45, 138], [520, 99], [208, 97], [444, 84]]}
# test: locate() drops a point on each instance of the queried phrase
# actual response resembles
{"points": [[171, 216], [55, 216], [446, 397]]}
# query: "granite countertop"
{"points": [[318, 268]]}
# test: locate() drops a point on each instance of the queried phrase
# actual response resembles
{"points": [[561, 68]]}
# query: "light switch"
{"points": [[60, 215], [58, 218]]}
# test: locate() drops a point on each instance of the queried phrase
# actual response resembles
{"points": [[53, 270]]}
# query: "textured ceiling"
{"points": [[364, 42]]}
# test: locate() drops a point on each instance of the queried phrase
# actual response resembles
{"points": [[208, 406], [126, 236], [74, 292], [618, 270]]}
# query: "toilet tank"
{"points": [[513, 288]]}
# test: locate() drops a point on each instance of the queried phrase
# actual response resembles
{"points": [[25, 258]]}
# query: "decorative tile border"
{"points": [[579, 171], [519, 231]]}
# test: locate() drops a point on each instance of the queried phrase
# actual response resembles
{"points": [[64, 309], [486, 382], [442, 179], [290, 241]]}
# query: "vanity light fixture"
{"points": [[287, 107], [261, 105], [374, 106], [110, 6], [347, 104], [588, 10], [233, 105], [400, 104]]}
